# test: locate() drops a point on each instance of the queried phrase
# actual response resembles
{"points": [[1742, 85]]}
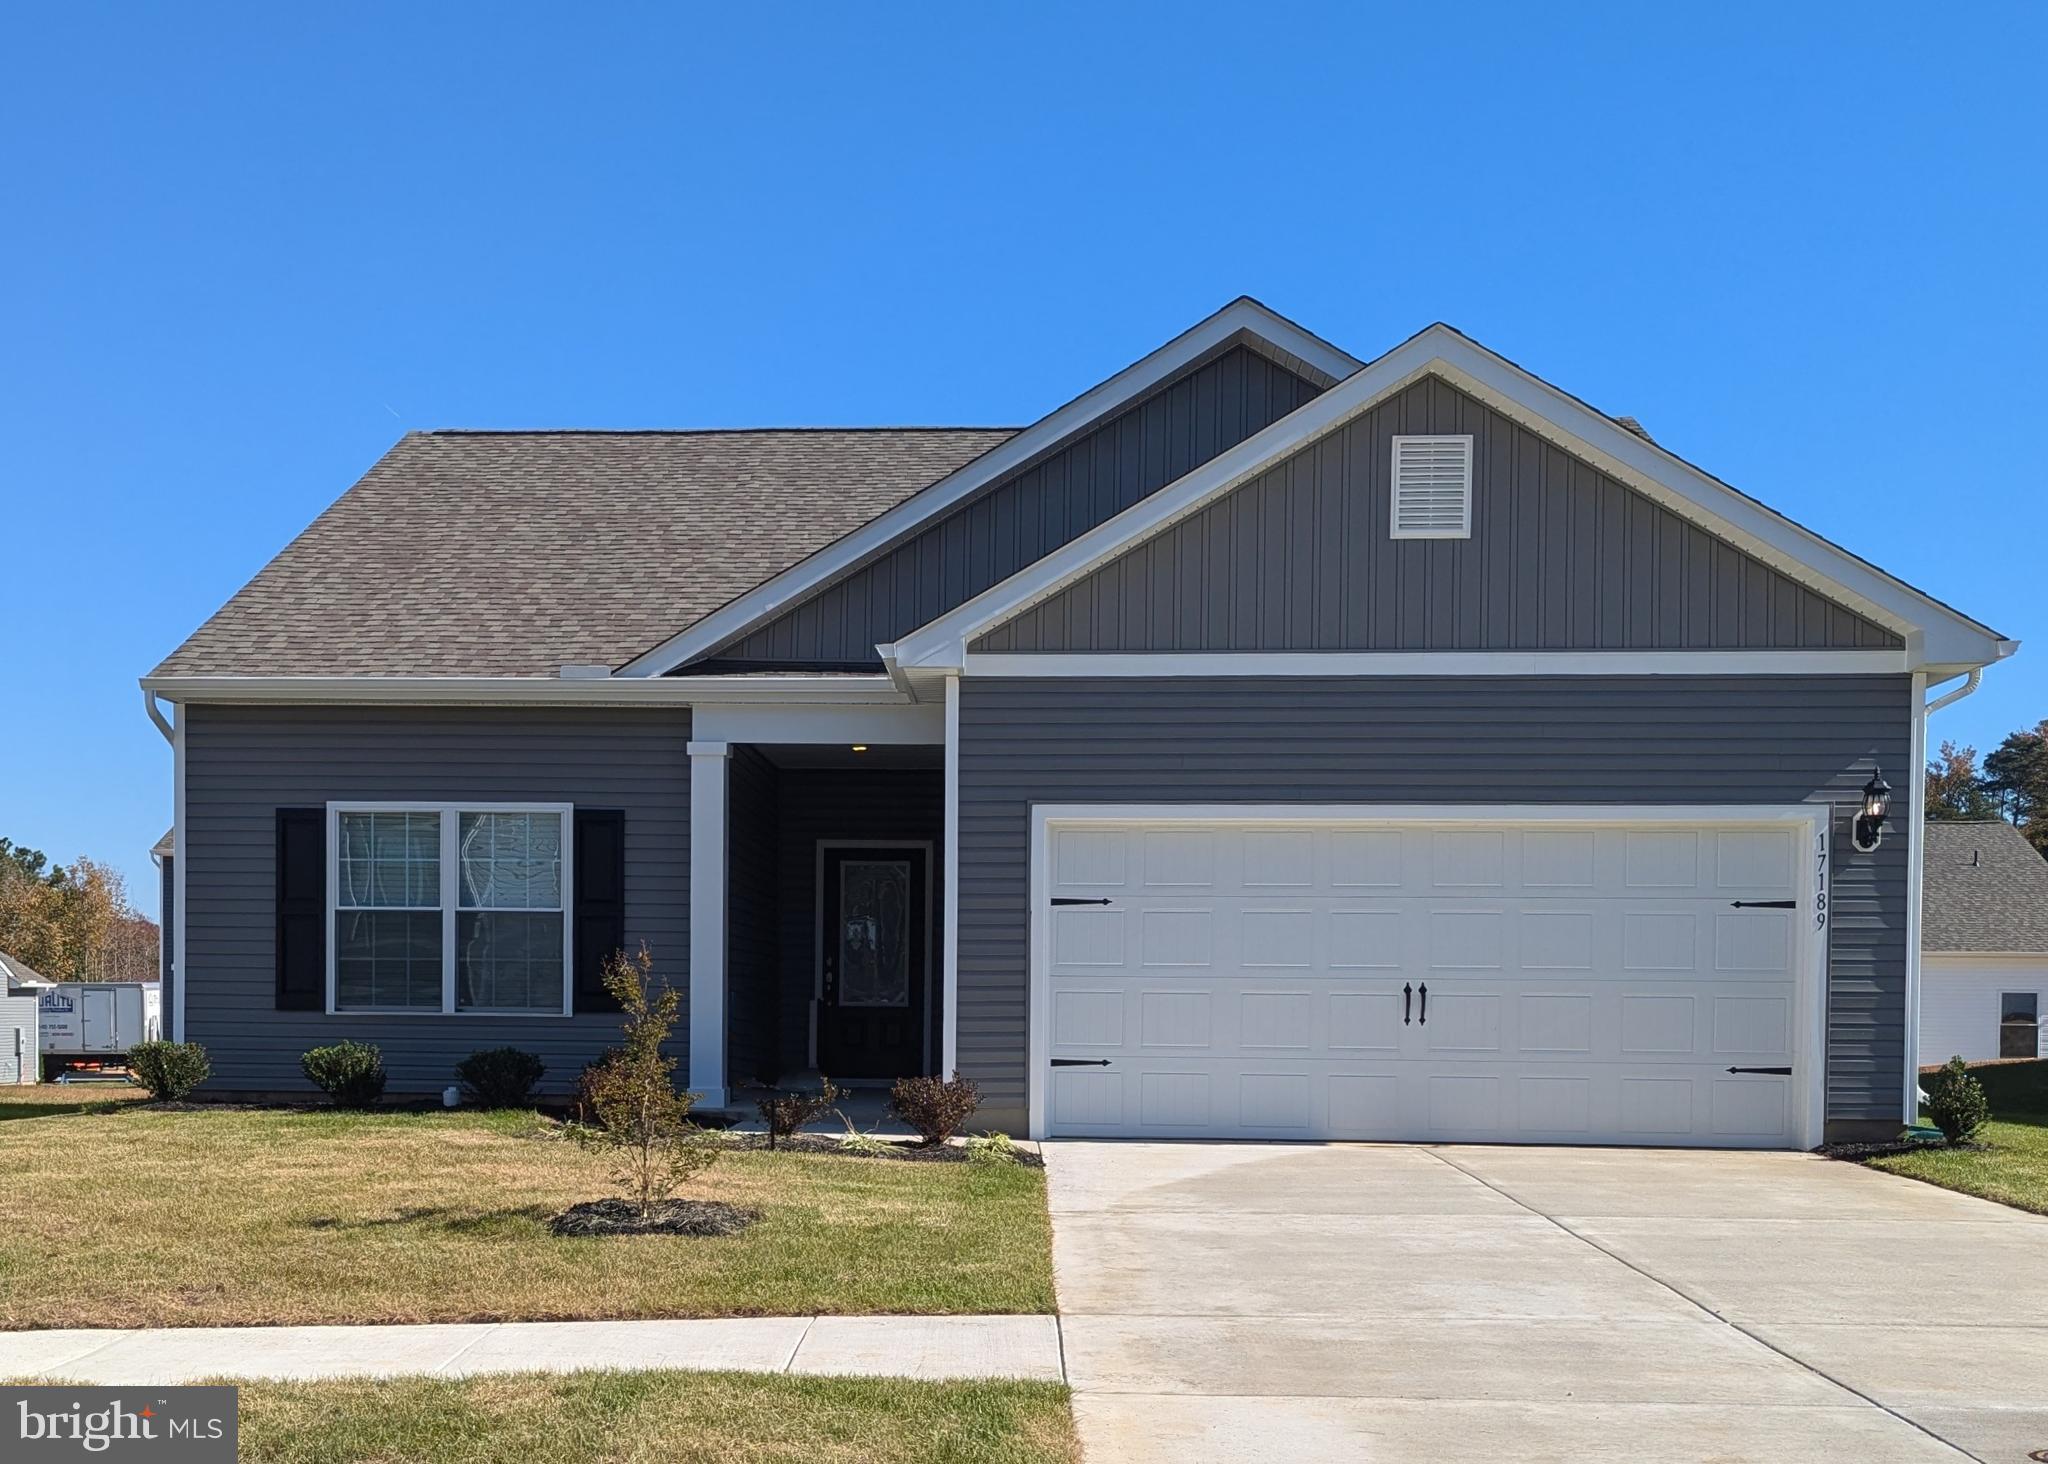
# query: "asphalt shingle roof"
{"points": [[1985, 888], [516, 553], [13, 968]]}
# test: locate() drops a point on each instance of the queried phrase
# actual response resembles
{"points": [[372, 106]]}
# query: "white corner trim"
{"points": [[771, 597], [1812, 820], [1937, 634], [665, 691], [949, 1009], [1081, 665], [708, 766]]}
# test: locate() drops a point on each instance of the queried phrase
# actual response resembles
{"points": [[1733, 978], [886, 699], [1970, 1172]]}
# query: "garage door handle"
{"points": [[1765, 904], [1080, 1062], [1407, 1000], [1770, 1072], [1423, 1019], [1077, 900]]}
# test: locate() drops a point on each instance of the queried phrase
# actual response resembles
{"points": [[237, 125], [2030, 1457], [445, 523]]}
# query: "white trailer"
{"points": [[96, 1020]]}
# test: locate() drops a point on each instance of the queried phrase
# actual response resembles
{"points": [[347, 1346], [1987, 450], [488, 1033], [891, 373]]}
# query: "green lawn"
{"points": [[2013, 1167], [584, 1418], [124, 1215]]}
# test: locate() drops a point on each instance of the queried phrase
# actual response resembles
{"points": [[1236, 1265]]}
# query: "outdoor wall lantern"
{"points": [[1868, 832]]}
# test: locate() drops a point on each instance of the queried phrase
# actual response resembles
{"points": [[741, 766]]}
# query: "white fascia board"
{"points": [[1935, 634], [1436, 663], [908, 725], [675, 691], [773, 596]]}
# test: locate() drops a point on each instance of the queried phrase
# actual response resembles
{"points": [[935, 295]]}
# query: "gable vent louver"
{"points": [[1432, 487]]}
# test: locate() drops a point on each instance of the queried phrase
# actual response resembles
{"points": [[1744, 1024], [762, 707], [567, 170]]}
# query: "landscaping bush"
{"points": [[1955, 1101], [169, 1070], [785, 1113], [642, 1124], [935, 1107], [997, 1150], [500, 1077], [351, 1073]]}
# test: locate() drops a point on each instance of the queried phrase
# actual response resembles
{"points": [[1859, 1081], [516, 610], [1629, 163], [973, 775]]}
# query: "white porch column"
{"points": [[708, 763], [949, 1029]]}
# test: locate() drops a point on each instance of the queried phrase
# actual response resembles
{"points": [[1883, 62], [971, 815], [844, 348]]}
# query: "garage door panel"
{"points": [[1582, 984]]}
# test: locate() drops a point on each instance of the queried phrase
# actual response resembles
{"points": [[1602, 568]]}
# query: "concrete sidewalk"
{"points": [[926, 1348]]}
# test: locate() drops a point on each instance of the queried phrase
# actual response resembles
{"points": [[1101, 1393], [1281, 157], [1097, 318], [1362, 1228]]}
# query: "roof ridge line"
{"points": [[689, 431]]}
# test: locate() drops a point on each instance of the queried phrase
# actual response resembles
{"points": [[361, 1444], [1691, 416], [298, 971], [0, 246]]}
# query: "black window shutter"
{"points": [[600, 902], [301, 909]]}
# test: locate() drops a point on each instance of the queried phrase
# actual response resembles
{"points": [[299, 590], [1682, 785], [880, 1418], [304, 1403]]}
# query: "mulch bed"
{"points": [[1888, 1148], [669, 1217], [908, 1150]]}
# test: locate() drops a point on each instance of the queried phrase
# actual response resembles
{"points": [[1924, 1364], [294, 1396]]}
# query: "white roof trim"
{"points": [[1083, 665], [772, 597], [671, 691], [1935, 635]]}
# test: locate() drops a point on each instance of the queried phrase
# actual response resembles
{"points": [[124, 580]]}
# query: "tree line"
{"points": [[2012, 784], [72, 922]]}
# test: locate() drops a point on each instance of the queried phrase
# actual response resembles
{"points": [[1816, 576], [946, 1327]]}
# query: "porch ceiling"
{"points": [[879, 756]]}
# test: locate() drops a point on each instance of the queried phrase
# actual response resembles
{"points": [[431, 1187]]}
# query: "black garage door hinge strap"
{"points": [[1765, 904], [1772, 1072], [1080, 1062], [1077, 900]]}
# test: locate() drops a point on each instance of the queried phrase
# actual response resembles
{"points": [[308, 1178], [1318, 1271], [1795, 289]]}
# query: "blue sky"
{"points": [[246, 247]]}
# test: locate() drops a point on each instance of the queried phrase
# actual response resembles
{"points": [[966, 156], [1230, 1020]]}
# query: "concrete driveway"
{"points": [[1379, 1302]]}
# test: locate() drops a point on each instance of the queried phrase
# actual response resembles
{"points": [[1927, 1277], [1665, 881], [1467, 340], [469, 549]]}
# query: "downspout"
{"points": [[1948, 698], [149, 705], [1916, 872]]}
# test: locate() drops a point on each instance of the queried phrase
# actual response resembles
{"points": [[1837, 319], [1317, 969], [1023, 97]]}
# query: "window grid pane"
{"points": [[389, 861], [508, 961], [387, 958], [510, 861]]}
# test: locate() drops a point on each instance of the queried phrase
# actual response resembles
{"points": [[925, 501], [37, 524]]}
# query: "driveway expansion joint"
{"points": [[1686, 1296]]}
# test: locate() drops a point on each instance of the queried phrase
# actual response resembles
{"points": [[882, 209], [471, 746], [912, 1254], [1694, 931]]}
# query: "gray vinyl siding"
{"points": [[1029, 514], [1567, 740], [846, 804], [751, 957], [244, 763], [20, 1052], [1561, 557]]}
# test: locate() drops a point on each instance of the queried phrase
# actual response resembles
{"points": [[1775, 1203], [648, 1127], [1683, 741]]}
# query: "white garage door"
{"points": [[1555, 983]]}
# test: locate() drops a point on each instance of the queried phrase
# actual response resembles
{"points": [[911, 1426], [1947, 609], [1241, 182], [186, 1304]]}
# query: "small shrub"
{"points": [[642, 1124], [1956, 1101], [500, 1077], [351, 1073], [785, 1113], [997, 1150], [170, 1070], [863, 1146], [935, 1107]]}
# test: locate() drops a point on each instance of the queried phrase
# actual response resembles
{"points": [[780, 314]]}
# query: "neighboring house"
{"points": [[1262, 744], [20, 1051], [1983, 942]]}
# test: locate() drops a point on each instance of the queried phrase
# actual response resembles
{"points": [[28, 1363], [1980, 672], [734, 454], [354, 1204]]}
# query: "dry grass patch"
{"points": [[586, 1418], [144, 1217]]}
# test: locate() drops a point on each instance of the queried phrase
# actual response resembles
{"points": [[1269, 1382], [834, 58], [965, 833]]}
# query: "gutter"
{"points": [[670, 691], [1971, 681]]}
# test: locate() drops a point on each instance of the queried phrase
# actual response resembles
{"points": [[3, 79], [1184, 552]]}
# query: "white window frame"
{"points": [[451, 904], [1394, 529]]}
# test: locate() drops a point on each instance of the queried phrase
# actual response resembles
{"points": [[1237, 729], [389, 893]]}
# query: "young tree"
{"points": [[643, 1124], [2016, 775], [1954, 787]]}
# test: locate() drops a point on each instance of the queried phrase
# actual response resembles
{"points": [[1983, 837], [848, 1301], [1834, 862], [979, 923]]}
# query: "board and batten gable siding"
{"points": [[1561, 557], [1480, 740], [244, 763], [1028, 514]]}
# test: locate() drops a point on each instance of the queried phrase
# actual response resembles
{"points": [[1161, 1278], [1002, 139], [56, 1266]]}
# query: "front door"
{"points": [[876, 931]]}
